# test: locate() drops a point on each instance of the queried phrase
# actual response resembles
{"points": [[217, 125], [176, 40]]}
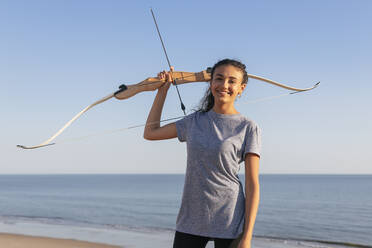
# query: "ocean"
{"points": [[323, 210]]}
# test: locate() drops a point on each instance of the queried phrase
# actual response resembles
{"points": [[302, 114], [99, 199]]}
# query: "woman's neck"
{"points": [[225, 109]]}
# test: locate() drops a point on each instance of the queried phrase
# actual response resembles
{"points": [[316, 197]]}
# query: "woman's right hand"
{"points": [[167, 77], [153, 130]]}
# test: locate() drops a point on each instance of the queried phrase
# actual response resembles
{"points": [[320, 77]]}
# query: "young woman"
{"points": [[218, 139]]}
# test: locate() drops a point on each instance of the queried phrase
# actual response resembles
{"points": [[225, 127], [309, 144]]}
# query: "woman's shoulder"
{"points": [[194, 116], [251, 124]]}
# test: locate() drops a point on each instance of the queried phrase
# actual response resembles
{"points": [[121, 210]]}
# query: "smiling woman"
{"points": [[218, 139]]}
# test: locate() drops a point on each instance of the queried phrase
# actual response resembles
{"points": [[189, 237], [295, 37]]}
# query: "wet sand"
{"points": [[23, 241]]}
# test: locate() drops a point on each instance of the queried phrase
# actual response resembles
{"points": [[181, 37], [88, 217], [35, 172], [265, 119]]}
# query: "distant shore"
{"points": [[20, 241]]}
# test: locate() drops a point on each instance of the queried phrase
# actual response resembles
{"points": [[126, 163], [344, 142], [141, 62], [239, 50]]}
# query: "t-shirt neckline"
{"points": [[225, 116]]}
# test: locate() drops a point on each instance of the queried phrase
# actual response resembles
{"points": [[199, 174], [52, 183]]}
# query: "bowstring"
{"points": [[164, 120], [264, 99], [117, 130]]}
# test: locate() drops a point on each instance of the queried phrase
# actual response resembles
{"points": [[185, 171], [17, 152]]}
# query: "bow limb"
{"points": [[47, 142], [281, 85], [205, 76], [125, 92]]}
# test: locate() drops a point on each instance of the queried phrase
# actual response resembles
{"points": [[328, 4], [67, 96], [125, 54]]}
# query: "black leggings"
{"points": [[185, 240]]}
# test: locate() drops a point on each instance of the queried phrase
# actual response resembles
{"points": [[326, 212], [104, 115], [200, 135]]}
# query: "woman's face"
{"points": [[226, 84]]}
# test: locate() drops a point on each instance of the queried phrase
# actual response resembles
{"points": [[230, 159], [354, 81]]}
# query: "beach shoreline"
{"points": [[123, 239], [19, 241]]}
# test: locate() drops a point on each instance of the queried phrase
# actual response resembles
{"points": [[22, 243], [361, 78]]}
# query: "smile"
{"points": [[223, 93]]}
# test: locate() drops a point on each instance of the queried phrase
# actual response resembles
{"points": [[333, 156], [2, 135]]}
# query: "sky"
{"points": [[57, 57]]}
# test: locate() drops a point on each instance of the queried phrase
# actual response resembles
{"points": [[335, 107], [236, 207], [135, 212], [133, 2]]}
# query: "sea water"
{"points": [[293, 208]]}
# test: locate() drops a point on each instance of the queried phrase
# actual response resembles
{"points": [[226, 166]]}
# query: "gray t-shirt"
{"points": [[213, 202]]}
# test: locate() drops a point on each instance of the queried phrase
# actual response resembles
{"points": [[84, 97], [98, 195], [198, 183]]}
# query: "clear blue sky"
{"points": [[56, 57]]}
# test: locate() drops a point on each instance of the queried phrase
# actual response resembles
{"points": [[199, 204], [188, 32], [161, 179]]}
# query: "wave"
{"points": [[13, 219], [327, 242]]}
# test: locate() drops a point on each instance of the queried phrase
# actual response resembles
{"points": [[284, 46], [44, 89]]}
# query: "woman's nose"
{"points": [[225, 83]]}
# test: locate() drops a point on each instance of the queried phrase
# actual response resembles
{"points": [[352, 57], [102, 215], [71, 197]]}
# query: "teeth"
{"points": [[223, 92]]}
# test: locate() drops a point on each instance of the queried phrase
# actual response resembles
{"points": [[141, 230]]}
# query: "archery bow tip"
{"points": [[315, 85], [34, 147], [21, 146]]}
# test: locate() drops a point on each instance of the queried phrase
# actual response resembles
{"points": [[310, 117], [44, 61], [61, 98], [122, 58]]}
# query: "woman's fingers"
{"points": [[166, 75], [161, 75]]}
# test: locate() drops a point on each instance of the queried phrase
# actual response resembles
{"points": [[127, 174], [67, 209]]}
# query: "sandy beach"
{"points": [[20, 241]]}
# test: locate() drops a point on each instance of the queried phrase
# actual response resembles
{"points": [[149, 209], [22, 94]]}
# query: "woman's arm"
{"points": [[252, 197], [153, 130]]}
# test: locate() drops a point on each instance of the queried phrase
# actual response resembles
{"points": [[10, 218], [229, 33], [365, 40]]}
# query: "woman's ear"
{"points": [[242, 87]]}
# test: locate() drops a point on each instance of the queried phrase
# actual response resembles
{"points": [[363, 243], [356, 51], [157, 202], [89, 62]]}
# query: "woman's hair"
{"points": [[207, 101]]}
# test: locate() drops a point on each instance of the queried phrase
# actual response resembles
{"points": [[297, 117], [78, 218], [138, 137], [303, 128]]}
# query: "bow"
{"points": [[151, 84]]}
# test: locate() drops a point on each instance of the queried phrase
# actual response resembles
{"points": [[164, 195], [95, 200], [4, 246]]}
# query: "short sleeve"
{"points": [[182, 127], [253, 140]]}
